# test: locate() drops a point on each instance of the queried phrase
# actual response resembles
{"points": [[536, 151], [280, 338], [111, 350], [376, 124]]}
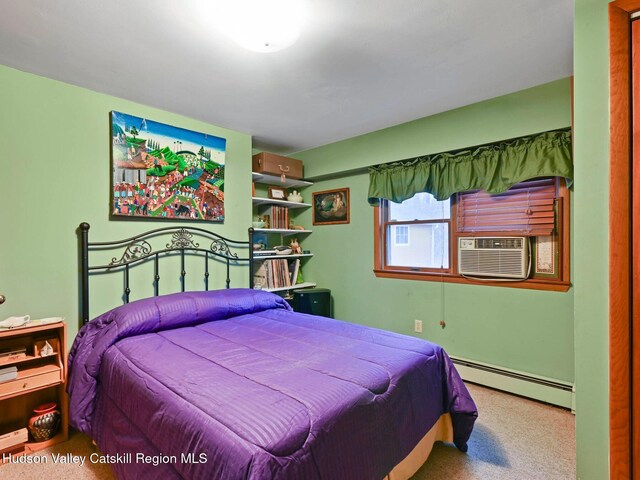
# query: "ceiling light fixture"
{"points": [[264, 25]]}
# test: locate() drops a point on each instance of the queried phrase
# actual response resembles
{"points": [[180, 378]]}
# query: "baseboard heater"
{"points": [[512, 381]]}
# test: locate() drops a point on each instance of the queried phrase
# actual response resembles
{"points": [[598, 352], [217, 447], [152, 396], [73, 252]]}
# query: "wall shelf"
{"points": [[273, 201], [275, 180], [281, 231], [293, 287], [274, 256], [277, 273]]}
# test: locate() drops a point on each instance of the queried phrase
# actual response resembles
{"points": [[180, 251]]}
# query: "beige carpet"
{"points": [[514, 438], [78, 444]]}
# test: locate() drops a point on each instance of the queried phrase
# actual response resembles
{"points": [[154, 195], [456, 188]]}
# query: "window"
{"points": [[426, 242], [401, 236], [417, 239]]}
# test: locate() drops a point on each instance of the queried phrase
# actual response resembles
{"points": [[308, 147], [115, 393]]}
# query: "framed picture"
{"points": [[165, 172], [331, 207], [277, 193]]}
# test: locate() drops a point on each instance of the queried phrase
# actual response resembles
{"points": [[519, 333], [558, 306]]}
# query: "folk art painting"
{"points": [[161, 171]]}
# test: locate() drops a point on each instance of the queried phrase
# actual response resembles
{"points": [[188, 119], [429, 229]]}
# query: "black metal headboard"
{"points": [[137, 249]]}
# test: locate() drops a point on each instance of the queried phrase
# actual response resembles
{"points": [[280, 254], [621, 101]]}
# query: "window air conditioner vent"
{"points": [[501, 257], [500, 242]]}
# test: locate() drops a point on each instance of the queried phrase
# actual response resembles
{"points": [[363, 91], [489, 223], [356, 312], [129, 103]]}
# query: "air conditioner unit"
{"points": [[503, 257]]}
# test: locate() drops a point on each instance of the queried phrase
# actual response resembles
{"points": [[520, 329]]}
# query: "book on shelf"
{"points": [[13, 354], [279, 217], [273, 273], [295, 270], [262, 253], [260, 276], [8, 378], [13, 438], [5, 370], [8, 373]]}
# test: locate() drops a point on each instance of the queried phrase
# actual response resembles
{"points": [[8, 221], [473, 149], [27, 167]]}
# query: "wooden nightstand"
{"points": [[40, 380]]}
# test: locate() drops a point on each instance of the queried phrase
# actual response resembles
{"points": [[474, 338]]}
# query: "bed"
{"points": [[232, 384]]}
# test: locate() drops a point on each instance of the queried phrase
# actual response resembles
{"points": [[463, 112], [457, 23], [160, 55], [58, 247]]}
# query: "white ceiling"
{"points": [[359, 65]]}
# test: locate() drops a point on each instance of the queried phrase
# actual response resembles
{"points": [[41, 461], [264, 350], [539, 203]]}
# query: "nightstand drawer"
{"points": [[29, 381]]}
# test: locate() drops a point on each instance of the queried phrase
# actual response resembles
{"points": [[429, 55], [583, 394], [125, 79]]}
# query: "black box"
{"points": [[315, 301]]}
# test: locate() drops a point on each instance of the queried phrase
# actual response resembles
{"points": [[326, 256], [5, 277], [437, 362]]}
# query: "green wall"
{"points": [[545, 107], [525, 330], [55, 173], [591, 152]]}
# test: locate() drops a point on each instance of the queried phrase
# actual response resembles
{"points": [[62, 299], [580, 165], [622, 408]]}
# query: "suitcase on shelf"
{"points": [[272, 164]]}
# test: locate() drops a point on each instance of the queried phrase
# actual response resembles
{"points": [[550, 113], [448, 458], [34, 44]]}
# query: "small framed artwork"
{"points": [[331, 207], [277, 193]]}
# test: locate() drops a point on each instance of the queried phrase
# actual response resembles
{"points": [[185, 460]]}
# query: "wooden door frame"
{"points": [[621, 442]]}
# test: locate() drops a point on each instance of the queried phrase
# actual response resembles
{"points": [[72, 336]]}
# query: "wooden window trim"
{"points": [[560, 284], [381, 240]]}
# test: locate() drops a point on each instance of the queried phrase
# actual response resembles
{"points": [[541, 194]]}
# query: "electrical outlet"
{"points": [[417, 326]]}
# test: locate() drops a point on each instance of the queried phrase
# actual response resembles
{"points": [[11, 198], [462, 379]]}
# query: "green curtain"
{"points": [[493, 168]]}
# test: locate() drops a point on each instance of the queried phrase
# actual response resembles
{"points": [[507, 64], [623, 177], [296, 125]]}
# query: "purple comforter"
{"points": [[255, 391]]}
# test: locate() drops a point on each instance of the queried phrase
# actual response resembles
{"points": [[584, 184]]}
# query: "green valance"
{"points": [[493, 168]]}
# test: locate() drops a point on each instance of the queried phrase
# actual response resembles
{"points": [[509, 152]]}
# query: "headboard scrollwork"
{"points": [[139, 249]]}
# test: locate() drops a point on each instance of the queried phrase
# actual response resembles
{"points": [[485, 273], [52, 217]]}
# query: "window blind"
{"points": [[527, 208]]}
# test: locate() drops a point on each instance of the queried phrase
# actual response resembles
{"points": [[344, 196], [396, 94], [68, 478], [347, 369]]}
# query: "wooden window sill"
{"points": [[531, 284]]}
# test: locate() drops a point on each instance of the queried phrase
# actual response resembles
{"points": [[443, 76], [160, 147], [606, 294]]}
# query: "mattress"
{"points": [[233, 384]]}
